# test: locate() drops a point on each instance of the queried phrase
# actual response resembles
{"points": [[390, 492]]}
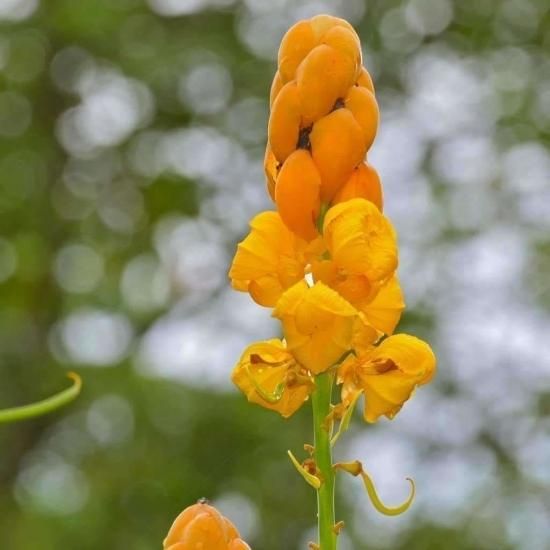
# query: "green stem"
{"points": [[45, 406], [321, 400]]}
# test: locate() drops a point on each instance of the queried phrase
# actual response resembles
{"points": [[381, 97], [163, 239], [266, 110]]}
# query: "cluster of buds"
{"points": [[323, 120], [326, 259]]}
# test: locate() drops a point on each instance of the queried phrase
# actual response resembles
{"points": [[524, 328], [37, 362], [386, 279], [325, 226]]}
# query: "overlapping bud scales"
{"points": [[326, 261], [324, 118]]}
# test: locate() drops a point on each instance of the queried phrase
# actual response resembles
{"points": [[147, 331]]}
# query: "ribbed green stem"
{"points": [[321, 400], [43, 407]]}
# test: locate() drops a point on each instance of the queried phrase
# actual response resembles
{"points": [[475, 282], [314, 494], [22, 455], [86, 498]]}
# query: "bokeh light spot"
{"points": [[78, 268]]}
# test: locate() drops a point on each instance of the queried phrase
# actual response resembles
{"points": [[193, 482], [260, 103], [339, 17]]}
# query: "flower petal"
{"points": [[410, 361], [269, 260], [361, 240], [364, 335], [317, 324], [386, 393], [411, 356], [388, 374], [384, 311]]}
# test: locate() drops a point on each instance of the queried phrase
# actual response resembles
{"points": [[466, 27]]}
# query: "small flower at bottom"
{"points": [[202, 526], [317, 323], [269, 375], [387, 374]]}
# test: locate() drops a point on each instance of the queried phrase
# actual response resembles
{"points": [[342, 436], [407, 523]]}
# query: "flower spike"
{"points": [[355, 468], [45, 406], [325, 260], [311, 479]]}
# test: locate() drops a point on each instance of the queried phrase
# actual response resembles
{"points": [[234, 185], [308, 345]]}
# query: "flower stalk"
{"points": [[321, 401]]}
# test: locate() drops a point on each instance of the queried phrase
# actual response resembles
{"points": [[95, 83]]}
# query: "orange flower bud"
{"points": [[364, 182], [202, 526], [284, 123], [364, 108], [297, 194], [271, 169], [365, 80], [347, 42], [323, 76], [276, 86], [298, 41], [337, 147], [322, 23]]}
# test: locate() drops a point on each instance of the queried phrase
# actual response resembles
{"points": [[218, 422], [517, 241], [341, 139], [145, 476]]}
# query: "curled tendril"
{"points": [[271, 397], [45, 406], [356, 468], [311, 479]]}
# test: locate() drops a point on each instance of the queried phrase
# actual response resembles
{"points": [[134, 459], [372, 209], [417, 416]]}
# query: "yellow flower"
{"points": [[270, 376], [269, 260], [360, 261], [387, 374], [317, 324], [361, 242]]}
